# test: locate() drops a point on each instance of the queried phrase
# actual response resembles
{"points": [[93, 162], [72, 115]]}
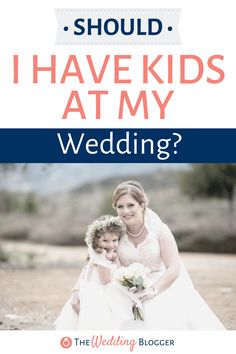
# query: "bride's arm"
{"points": [[169, 250], [170, 258]]}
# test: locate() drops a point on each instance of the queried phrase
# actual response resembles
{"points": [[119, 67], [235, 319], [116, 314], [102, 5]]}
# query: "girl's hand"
{"points": [[111, 256], [103, 252], [75, 301], [100, 250]]}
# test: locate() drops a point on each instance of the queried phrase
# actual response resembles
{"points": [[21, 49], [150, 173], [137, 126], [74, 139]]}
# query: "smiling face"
{"points": [[108, 241], [130, 210]]}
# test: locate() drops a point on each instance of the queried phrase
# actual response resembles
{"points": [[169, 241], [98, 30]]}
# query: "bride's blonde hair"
{"points": [[133, 188]]}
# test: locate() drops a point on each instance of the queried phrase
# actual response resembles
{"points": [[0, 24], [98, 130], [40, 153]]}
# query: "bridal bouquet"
{"points": [[134, 278]]}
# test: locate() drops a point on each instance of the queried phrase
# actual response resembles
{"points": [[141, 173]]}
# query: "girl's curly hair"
{"points": [[106, 223]]}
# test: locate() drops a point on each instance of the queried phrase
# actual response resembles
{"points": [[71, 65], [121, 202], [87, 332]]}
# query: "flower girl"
{"points": [[97, 302]]}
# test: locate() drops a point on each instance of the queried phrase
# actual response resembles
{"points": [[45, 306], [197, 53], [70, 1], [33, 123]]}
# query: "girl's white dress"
{"points": [[102, 307], [180, 307]]}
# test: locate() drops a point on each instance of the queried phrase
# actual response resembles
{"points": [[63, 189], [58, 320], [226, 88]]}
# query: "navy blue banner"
{"points": [[118, 145]]}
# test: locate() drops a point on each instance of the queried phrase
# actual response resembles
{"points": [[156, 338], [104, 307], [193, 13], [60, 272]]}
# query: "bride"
{"points": [[170, 302]]}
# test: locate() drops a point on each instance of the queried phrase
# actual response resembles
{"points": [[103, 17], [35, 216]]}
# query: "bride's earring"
{"points": [[143, 207]]}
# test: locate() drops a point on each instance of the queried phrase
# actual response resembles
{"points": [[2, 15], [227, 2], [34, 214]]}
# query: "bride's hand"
{"points": [[75, 301], [146, 294]]}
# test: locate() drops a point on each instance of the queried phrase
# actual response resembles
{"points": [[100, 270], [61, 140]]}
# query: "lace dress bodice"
{"points": [[147, 252]]}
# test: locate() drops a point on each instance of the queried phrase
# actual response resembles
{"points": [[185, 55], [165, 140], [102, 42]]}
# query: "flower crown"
{"points": [[106, 223]]}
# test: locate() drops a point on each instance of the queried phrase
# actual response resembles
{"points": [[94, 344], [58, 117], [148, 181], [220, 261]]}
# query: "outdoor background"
{"points": [[45, 210]]}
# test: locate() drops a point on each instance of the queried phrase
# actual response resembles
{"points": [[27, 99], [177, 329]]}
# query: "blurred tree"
{"points": [[212, 180], [4, 168], [106, 207], [31, 206], [8, 202]]}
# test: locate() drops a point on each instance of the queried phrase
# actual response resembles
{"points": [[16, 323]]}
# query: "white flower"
{"points": [[135, 275], [134, 278], [119, 273]]}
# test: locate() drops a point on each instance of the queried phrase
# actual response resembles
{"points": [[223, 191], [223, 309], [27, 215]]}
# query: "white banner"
{"points": [[117, 26], [163, 342]]}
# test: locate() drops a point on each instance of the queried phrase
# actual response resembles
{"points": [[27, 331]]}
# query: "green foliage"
{"points": [[10, 202], [4, 256], [30, 204], [30, 259], [106, 207], [138, 283], [135, 283], [4, 167], [210, 180]]}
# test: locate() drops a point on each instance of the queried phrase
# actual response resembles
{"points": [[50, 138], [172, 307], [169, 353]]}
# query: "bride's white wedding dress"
{"points": [[180, 307], [108, 307]]}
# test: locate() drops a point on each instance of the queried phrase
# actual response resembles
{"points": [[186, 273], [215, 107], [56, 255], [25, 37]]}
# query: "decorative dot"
{"points": [[170, 28], [66, 28], [175, 152]]}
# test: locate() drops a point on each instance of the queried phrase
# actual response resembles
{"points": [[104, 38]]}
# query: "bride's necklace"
{"points": [[136, 235]]}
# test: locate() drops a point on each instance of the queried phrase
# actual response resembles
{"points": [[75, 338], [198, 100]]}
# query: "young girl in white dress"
{"points": [[99, 307]]}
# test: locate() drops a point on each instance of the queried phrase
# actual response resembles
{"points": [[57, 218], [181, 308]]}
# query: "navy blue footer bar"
{"points": [[117, 145]]}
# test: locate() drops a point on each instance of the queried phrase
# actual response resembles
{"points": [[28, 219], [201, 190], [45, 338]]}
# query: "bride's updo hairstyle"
{"points": [[133, 188]]}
